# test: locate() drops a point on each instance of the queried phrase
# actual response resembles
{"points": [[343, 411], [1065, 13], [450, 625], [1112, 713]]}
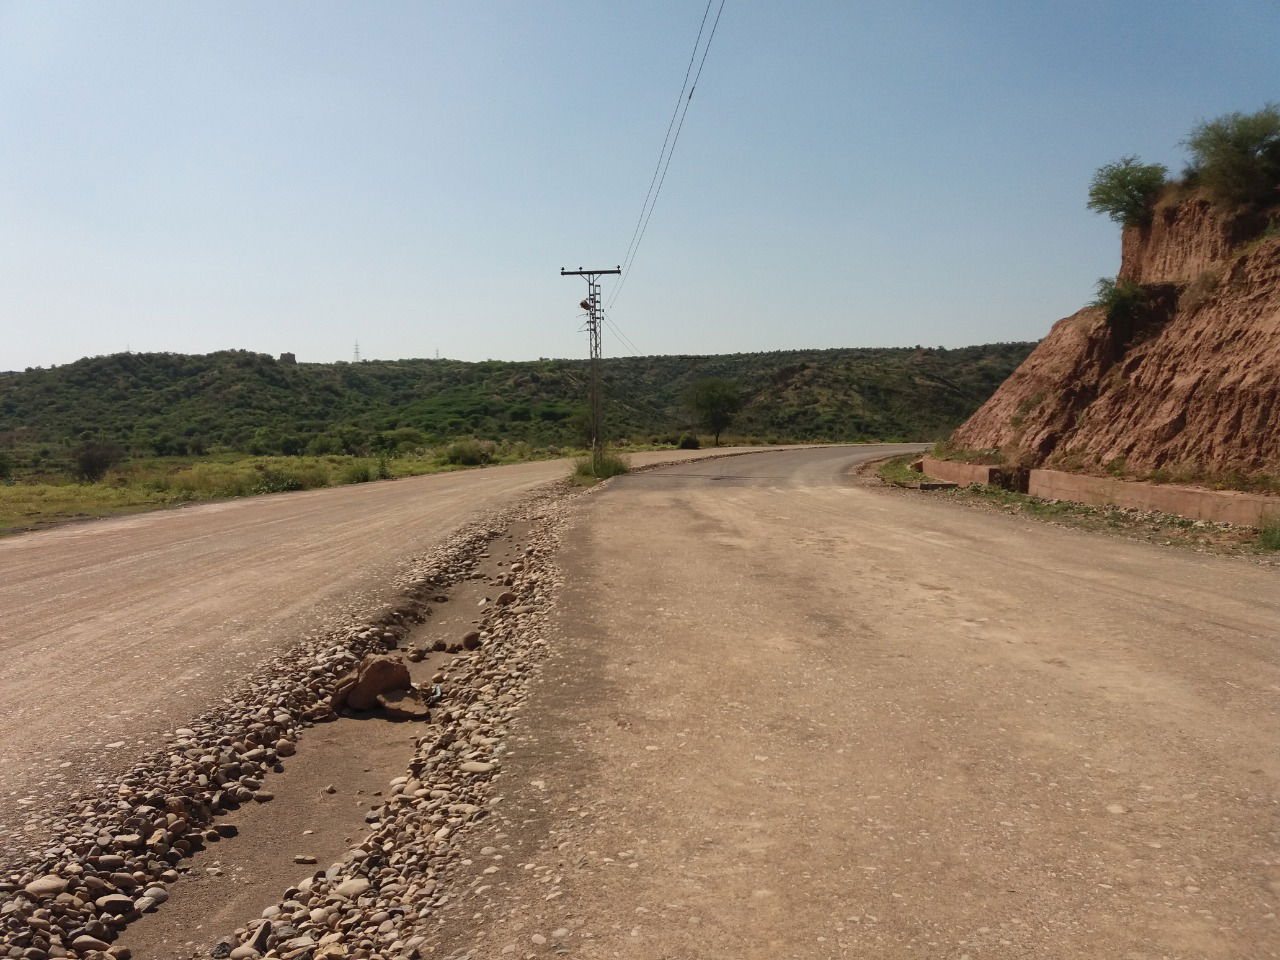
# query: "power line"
{"points": [[629, 260], [622, 337], [670, 123]]}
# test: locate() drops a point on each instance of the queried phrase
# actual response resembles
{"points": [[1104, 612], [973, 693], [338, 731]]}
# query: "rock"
{"points": [[114, 904], [303, 858], [416, 655], [352, 888], [84, 943], [286, 748], [49, 885], [259, 939], [505, 598], [244, 953], [472, 640], [403, 705], [378, 674], [476, 766]]}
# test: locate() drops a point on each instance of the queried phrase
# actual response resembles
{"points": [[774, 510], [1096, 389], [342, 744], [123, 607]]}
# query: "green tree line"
{"points": [[163, 404]]}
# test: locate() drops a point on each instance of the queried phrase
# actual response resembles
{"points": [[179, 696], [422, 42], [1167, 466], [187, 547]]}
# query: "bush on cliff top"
{"points": [[1126, 190], [1237, 157]]}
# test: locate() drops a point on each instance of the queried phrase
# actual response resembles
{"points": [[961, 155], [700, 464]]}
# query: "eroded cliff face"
{"points": [[1190, 385], [1183, 240]]}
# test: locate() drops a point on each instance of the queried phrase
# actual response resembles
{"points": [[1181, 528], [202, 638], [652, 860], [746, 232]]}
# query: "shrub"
{"points": [[1120, 298], [690, 441], [356, 472], [611, 465], [277, 481], [467, 453], [6, 465], [1127, 190], [92, 459], [1199, 290], [1269, 533], [1237, 157]]}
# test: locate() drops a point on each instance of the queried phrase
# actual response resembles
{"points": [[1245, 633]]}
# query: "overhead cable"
{"points": [[665, 154]]}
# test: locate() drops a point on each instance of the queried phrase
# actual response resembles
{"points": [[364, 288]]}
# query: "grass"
{"points": [[41, 499], [1269, 534], [897, 471], [586, 472], [942, 450], [37, 499]]}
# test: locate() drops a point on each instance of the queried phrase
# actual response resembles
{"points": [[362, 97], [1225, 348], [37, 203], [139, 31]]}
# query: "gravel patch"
{"points": [[112, 853]]}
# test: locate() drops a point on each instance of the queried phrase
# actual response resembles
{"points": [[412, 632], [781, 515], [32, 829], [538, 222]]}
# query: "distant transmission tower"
{"points": [[595, 316], [356, 356]]}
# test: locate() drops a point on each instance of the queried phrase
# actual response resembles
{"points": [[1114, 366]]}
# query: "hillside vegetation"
{"points": [[164, 404]]}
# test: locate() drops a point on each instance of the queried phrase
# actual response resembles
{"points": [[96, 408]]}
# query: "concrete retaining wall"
{"points": [[1220, 506], [961, 473]]}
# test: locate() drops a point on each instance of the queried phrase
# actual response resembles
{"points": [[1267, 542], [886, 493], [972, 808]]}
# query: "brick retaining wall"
{"points": [[1220, 506], [962, 473]]}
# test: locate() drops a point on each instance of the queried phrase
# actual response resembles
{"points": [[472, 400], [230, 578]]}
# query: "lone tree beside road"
{"points": [[714, 403]]}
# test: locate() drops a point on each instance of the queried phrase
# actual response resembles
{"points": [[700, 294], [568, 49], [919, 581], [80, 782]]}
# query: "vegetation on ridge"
{"points": [[164, 404], [1235, 159]]}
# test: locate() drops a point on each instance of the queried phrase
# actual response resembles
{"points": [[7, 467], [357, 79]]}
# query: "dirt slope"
{"points": [[1190, 384]]}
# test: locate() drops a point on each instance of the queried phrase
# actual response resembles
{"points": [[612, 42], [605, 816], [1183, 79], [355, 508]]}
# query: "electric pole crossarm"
{"points": [[588, 273]]}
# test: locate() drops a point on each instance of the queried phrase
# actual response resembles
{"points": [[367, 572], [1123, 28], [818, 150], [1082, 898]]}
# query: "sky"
{"points": [[304, 175]]}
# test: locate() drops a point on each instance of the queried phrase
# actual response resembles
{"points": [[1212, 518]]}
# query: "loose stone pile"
{"points": [[117, 851]]}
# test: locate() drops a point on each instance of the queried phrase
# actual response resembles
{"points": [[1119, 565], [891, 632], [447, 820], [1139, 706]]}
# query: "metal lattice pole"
{"points": [[595, 319]]}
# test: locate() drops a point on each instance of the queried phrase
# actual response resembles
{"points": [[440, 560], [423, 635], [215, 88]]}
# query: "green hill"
{"points": [[165, 403]]}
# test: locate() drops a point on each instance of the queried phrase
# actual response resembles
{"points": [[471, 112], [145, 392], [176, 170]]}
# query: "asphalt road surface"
{"points": [[791, 716], [114, 631]]}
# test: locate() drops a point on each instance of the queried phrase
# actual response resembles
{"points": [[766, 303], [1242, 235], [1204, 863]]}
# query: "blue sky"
{"points": [[301, 175]]}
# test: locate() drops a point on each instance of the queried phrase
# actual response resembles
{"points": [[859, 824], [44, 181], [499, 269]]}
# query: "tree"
{"points": [[1237, 157], [93, 458], [1127, 190], [714, 403]]}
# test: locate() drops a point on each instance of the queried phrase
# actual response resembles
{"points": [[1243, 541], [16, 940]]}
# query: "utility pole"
{"points": [[595, 317]]}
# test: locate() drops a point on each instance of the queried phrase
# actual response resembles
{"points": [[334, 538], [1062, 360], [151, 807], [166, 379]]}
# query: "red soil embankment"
{"points": [[1189, 385]]}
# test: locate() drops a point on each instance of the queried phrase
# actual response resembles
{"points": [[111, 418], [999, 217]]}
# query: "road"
{"points": [[114, 631], [791, 716]]}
